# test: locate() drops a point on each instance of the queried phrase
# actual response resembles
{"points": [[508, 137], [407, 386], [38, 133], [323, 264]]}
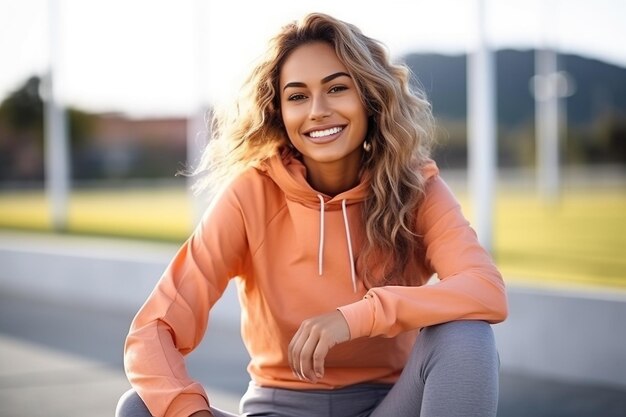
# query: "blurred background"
{"points": [[103, 103]]}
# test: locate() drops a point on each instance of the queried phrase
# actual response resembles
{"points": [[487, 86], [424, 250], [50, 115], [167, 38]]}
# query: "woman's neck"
{"points": [[332, 178]]}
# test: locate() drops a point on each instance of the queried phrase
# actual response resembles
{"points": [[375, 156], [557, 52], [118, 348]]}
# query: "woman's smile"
{"points": [[325, 135]]}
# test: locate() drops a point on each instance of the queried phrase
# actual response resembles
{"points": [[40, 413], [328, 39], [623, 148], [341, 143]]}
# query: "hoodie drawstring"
{"points": [[345, 222], [320, 255]]}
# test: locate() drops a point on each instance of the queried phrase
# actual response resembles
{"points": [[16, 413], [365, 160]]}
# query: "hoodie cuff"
{"points": [[360, 317], [185, 405]]}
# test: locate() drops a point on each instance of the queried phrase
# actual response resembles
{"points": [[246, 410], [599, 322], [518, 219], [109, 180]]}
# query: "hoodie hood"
{"points": [[289, 173]]}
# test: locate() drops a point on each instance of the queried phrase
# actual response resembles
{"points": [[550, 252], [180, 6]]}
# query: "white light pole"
{"points": [[549, 87], [547, 123], [57, 167], [481, 123]]}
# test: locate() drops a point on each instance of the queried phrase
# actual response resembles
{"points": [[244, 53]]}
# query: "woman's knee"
{"points": [[463, 331], [131, 405], [462, 338], [459, 357]]}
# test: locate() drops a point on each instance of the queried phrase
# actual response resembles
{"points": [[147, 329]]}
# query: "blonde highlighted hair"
{"points": [[398, 141]]}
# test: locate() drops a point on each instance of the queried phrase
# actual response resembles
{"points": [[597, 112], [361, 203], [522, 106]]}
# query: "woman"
{"points": [[333, 218]]}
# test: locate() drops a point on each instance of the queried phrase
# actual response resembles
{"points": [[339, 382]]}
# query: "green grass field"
{"points": [[580, 241]]}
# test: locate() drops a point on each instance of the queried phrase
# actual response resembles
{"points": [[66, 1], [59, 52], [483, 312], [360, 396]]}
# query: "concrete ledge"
{"points": [[563, 334], [99, 272], [569, 335], [104, 273]]}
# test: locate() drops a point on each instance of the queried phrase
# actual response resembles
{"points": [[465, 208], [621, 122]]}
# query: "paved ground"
{"points": [[65, 361]]}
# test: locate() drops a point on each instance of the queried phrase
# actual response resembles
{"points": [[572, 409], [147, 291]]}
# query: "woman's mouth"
{"points": [[318, 134]]}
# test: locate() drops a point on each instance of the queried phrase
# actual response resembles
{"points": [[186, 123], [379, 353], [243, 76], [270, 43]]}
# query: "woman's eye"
{"points": [[337, 88], [296, 97]]}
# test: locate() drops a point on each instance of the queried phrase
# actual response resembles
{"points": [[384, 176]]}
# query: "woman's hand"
{"points": [[311, 343]]}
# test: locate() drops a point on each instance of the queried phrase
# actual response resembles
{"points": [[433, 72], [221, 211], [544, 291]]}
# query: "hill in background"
{"points": [[595, 114]]}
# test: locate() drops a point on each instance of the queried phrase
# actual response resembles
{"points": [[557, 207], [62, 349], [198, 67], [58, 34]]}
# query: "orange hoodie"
{"points": [[292, 251]]}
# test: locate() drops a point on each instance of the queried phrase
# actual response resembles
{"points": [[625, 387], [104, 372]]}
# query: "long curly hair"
{"points": [[398, 142]]}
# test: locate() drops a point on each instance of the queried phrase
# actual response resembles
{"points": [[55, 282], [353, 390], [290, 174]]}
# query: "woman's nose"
{"points": [[319, 108]]}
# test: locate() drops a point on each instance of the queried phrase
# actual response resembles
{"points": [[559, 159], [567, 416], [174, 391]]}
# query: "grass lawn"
{"points": [[162, 213], [581, 240]]}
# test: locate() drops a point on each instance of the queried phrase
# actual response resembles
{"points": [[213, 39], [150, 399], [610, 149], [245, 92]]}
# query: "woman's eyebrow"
{"points": [[324, 80], [331, 77]]}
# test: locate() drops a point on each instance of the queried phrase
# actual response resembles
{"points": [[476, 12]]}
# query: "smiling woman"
{"points": [[327, 142]]}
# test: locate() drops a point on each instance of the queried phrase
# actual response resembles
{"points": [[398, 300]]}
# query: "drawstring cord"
{"points": [[345, 222], [320, 255]]}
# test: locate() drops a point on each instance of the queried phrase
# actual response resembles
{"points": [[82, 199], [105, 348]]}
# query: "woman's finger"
{"points": [[306, 354], [293, 353], [319, 357]]}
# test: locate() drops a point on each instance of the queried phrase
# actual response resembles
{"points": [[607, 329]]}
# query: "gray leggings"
{"points": [[452, 371]]}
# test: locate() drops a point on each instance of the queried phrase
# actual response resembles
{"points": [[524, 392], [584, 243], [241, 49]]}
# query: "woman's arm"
{"points": [[470, 285], [173, 320]]}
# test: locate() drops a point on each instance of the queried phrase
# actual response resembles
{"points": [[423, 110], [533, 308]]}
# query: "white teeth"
{"points": [[326, 132]]}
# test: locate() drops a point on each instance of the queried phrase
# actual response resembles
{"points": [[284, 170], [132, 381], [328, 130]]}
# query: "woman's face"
{"points": [[321, 108]]}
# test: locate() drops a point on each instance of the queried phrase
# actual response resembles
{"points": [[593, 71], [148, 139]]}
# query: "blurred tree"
{"points": [[21, 133], [23, 109]]}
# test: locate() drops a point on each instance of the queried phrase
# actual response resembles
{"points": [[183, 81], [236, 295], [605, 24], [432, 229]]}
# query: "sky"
{"points": [[157, 57]]}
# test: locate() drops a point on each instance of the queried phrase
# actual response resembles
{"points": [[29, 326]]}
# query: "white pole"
{"points": [[57, 169], [481, 131], [547, 110], [547, 123]]}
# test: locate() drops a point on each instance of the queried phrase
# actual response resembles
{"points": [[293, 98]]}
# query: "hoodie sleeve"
{"points": [[469, 288], [173, 320]]}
